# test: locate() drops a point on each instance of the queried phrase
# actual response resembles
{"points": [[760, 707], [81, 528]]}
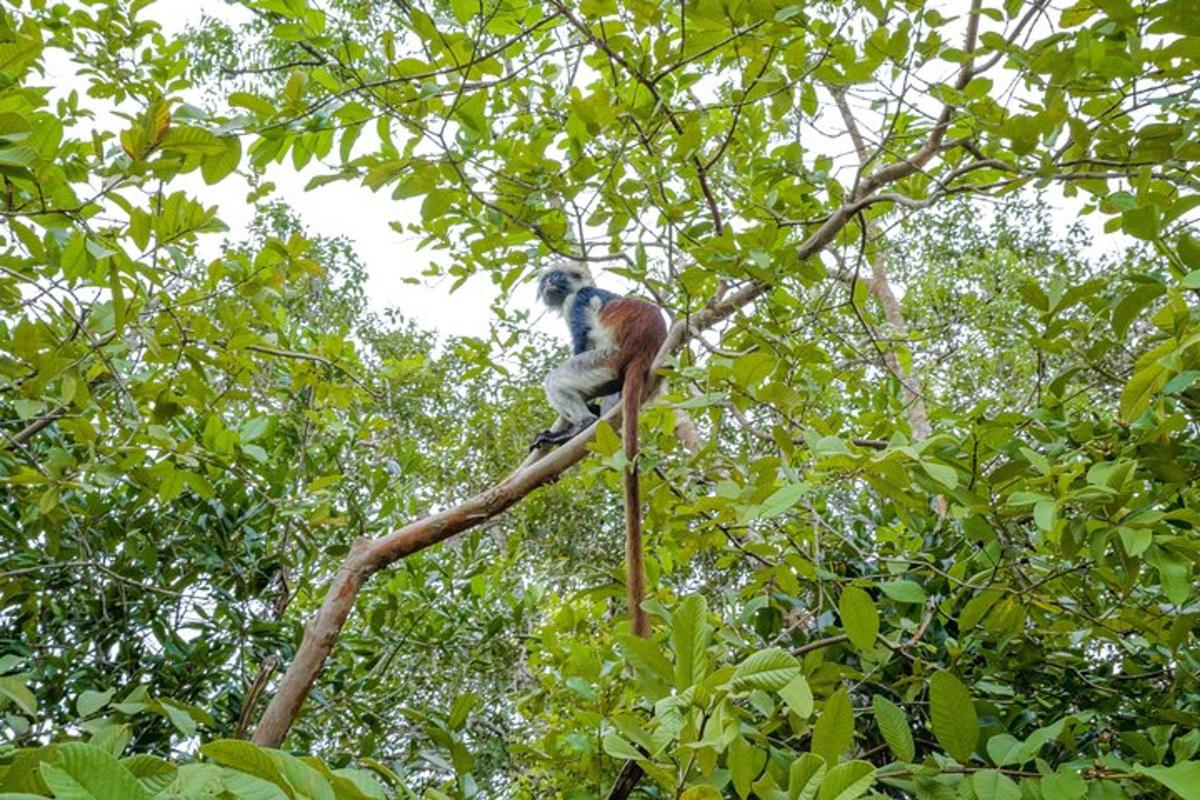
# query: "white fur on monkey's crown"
{"points": [[566, 265]]}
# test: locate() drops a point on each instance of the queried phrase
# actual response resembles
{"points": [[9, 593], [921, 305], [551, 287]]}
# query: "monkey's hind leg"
{"points": [[571, 389]]}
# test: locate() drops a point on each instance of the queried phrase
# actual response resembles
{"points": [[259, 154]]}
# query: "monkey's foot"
{"points": [[550, 436]]}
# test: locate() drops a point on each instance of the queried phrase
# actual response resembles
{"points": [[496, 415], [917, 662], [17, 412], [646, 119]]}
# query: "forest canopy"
{"points": [[920, 484]]}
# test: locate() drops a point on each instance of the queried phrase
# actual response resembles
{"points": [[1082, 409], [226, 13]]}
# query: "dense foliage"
{"points": [[923, 506]]}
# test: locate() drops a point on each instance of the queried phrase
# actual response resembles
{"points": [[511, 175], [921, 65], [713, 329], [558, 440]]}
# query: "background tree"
{"points": [[937, 536]]}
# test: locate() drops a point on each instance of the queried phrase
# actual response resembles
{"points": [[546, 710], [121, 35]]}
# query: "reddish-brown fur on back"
{"points": [[640, 331]]}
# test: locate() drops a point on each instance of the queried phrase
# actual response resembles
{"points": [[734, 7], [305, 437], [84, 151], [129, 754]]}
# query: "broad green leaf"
{"points": [[1140, 390], [301, 777], [805, 776], [1005, 750], [90, 701], [976, 608], [952, 715], [1133, 304], [463, 704], [1066, 784], [244, 756], [769, 670], [847, 781], [179, 716], [19, 156], [1142, 222], [215, 168], [253, 428], [782, 499], [1182, 779], [859, 616], [248, 787], [904, 591], [893, 724], [363, 780], [834, 729], [646, 656], [690, 634], [943, 474], [152, 772], [992, 785], [798, 696], [13, 687], [745, 762], [83, 772], [1189, 250], [617, 747]]}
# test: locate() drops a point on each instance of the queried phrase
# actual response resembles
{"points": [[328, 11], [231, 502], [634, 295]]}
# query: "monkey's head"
{"points": [[561, 280]]}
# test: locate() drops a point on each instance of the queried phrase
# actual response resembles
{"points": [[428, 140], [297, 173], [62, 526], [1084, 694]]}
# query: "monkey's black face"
{"points": [[557, 284]]}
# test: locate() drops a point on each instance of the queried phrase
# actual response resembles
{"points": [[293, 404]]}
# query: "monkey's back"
{"points": [[638, 330]]}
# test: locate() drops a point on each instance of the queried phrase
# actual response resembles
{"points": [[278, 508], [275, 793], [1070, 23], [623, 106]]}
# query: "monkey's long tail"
{"points": [[635, 570]]}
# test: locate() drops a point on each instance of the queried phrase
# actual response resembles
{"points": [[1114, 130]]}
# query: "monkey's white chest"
{"points": [[600, 337]]}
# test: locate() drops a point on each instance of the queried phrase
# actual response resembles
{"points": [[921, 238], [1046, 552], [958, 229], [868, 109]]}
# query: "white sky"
{"points": [[348, 209]]}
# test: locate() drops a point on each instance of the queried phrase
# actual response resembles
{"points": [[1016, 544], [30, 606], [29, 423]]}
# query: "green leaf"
{"points": [[1181, 382], [617, 747], [179, 716], [1044, 514], [301, 777], [847, 781], [745, 762], [798, 697], [1140, 390], [194, 141], [1066, 784], [945, 475], [247, 787], [463, 704], [1142, 222], [690, 633], [91, 701], [769, 670], [976, 608], [363, 781], [1189, 251], [647, 657], [1132, 305], [805, 776], [253, 428], [245, 756], [952, 715], [251, 102], [19, 156], [859, 616], [154, 773], [904, 591], [782, 499], [13, 687], [834, 729], [992, 785], [1182, 779], [437, 203], [215, 168], [85, 772], [893, 724]]}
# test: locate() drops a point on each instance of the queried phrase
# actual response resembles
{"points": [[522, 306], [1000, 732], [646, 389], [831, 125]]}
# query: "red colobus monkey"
{"points": [[614, 340]]}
